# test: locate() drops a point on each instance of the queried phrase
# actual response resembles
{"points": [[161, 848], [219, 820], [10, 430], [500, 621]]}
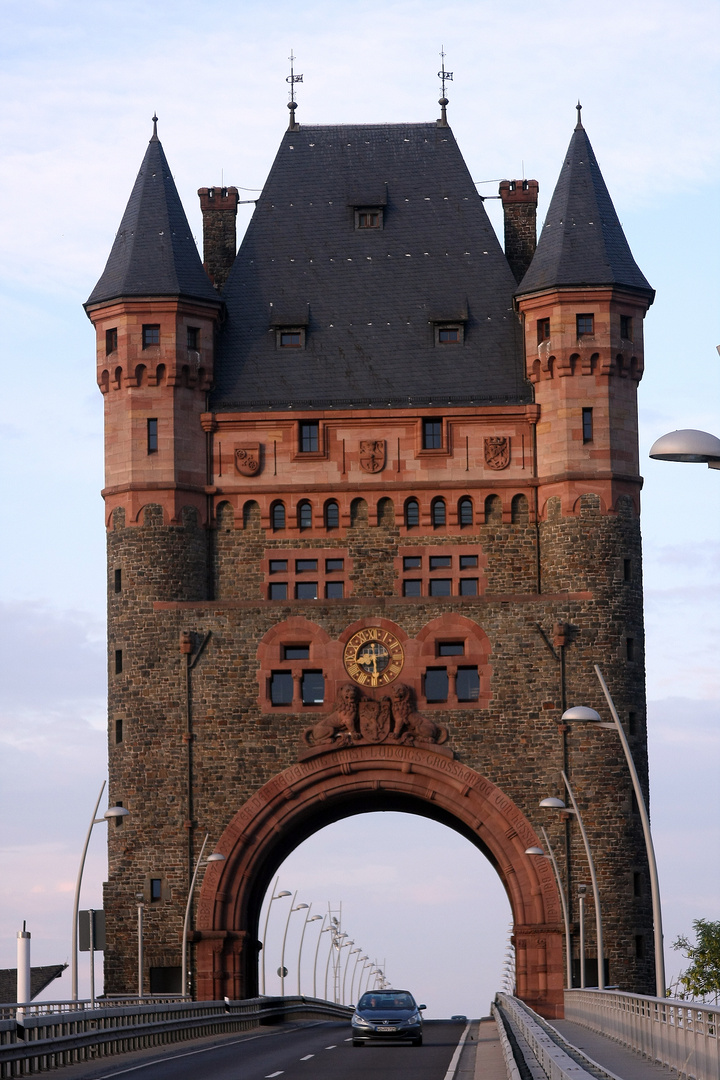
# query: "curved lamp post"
{"points": [[566, 916], [273, 896], [308, 919], [688, 445], [323, 930], [347, 961], [558, 804], [214, 857], [583, 714], [110, 815], [300, 907], [352, 981]]}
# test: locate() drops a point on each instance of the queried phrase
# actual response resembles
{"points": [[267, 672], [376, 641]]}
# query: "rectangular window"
{"points": [[332, 566], [627, 570], [193, 338], [296, 652], [467, 562], [303, 566], [278, 566], [639, 946], [119, 818], [440, 562], [630, 648], [451, 648], [440, 586], [468, 586], [632, 723], [626, 327], [150, 335], [412, 562], [277, 590], [585, 325], [155, 889], [152, 436], [111, 340], [281, 688], [306, 590], [587, 422], [290, 339], [368, 219], [313, 688], [334, 590], [432, 434], [412, 587], [448, 335], [309, 436], [637, 884], [468, 684], [436, 684], [118, 581], [543, 330], [118, 730], [118, 661]]}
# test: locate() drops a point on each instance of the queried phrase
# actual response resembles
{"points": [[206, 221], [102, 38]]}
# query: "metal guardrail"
{"points": [[681, 1035], [542, 1055], [35, 1042]]}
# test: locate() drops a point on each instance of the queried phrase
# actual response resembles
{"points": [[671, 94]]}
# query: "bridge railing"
{"points": [[681, 1035]]}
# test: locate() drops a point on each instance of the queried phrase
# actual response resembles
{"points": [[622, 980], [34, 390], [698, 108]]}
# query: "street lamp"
{"points": [[583, 714], [558, 804], [347, 961], [582, 890], [323, 930], [273, 896], [214, 857], [300, 907], [308, 919], [566, 915], [688, 445], [112, 814], [352, 981], [140, 897]]}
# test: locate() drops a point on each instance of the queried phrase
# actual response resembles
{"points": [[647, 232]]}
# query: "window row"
{"points": [[467, 516], [439, 684], [151, 336], [440, 587], [585, 327], [295, 337]]}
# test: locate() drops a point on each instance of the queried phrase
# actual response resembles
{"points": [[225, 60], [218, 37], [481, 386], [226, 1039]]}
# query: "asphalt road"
{"points": [[305, 1052]]}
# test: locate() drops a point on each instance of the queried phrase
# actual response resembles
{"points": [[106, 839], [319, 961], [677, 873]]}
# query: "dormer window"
{"points": [[450, 333], [291, 337], [368, 219]]}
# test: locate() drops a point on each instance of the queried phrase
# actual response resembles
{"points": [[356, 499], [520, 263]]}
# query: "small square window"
{"points": [[306, 590], [152, 436], [451, 648], [333, 565], [193, 338], [448, 335], [436, 684], [412, 587], [440, 562], [150, 335], [467, 684], [281, 688], [155, 889], [334, 590], [371, 218], [309, 437], [440, 587], [290, 339], [111, 340], [278, 590], [313, 688], [543, 330], [468, 586], [432, 434], [467, 562], [278, 566], [412, 562], [585, 325], [296, 652], [303, 566], [587, 423], [626, 327]]}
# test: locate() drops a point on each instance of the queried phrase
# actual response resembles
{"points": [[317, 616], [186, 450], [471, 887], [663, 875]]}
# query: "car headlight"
{"points": [[411, 1020], [359, 1021]]}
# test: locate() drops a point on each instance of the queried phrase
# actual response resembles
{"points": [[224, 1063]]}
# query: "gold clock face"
{"points": [[373, 657]]}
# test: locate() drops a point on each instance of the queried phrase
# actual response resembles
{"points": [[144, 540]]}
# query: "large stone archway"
{"points": [[332, 785]]}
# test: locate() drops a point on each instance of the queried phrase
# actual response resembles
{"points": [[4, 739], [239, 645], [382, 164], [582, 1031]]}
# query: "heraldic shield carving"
{"points": [[372, 455], [497, 452], [248, 458], [357, 719]]}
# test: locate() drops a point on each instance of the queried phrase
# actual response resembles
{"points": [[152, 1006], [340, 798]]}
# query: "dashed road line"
{"points": [[333, 1047], [307, 1057], [269, 1076]]}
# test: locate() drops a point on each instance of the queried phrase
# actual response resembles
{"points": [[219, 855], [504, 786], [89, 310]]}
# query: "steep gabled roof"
{"points": [[369, 298], [582, 241], [154, 253]]}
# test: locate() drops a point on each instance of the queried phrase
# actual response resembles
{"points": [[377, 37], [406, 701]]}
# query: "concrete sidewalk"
{"points": [[610, 1055], [482, 1056]]}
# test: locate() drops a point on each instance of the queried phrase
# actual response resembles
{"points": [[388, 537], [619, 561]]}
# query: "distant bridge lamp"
{"points": [[550, 856], [308, 919], [214, 857], [283, 969], [273, 896], [352, 980]]}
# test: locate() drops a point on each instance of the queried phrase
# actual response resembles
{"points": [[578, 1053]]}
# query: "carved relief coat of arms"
{"points": [[497, 452], [372, 455], [247, 458]]}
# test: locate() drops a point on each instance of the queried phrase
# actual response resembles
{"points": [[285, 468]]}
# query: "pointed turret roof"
{"points": [[582, 241], [154, 253]]}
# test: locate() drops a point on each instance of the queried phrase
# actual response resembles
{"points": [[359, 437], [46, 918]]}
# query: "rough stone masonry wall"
{"points": [[237, 746]]}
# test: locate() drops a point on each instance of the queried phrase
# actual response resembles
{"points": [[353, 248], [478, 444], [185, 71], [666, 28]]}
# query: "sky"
{"points": [[79, 83]]}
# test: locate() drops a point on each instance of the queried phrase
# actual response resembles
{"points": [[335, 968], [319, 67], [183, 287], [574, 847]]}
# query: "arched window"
{"points": [[438, 512], [412, 514], [277, 516], [465, 512], [332, 515], [304, 513], [519, 510], [493, 510]]}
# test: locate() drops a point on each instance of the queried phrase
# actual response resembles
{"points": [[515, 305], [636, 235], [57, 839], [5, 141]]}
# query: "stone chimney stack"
{"points": [[519, 199], [219, 210]]}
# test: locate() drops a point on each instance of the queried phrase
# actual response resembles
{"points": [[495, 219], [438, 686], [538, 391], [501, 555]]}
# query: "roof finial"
{"points": [[578, 126], [444, 76], [292, 79], [155, 122]]}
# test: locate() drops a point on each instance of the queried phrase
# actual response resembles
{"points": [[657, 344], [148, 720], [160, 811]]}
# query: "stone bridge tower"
{"points": [[372, 516]]}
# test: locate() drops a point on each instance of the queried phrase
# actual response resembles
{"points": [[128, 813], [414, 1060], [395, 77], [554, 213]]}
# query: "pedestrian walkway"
{"points": [[482, 1057], [617, 1059]]}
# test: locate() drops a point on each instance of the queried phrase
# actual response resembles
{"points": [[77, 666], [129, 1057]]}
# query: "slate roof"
{"points": [[154, 253], [369, 297], [582, 241], [40, 977]]}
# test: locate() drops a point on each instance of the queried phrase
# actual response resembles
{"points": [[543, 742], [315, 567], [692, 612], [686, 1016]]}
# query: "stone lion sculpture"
{"points": [[341, 726], [410, 725]]}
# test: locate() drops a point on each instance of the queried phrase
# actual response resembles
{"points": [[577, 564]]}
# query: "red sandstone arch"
{"points": [[361, 779]]}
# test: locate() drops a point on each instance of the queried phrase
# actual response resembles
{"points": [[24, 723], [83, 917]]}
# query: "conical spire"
{"points": [[582, 241], [154, 253]]}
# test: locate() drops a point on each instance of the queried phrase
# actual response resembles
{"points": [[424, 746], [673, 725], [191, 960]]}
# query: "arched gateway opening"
{"points": [[328, 786]]}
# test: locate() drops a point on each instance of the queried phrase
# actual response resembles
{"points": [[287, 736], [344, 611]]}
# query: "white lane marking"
{"points": [[452, 1068], [307, 1057], [333, 1047], [348, 1040], [269, 1076]]}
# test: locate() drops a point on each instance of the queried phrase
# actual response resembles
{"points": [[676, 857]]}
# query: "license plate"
{"points": [[386, 1029]]}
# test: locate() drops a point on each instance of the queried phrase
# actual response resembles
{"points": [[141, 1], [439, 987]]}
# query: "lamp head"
{"points": [[283, 893], [216, 857], [534, 851], [686, 445], [583, 713], [116, 812], [301, 907], [551, 803]]}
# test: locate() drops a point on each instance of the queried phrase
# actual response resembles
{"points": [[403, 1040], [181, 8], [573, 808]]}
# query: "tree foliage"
{"points": [[702, 978]]}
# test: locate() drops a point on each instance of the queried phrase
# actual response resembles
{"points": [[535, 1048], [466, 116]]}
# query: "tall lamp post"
{"points": [[558, 804], [112, 814], [352, 980], [273, 896], [347, 961], [308, 919], [566, 916], [300, 907], [583, 714], [214, 857], [323, 930]]}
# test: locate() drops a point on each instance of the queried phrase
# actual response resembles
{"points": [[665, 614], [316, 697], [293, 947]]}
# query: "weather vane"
{"points": [[292, 79], [444, 76]]}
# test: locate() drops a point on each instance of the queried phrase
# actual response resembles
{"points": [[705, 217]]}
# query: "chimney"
{"points": [[519, 199], [219, 210]]}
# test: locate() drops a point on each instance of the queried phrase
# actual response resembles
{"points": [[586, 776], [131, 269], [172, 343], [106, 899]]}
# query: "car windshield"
{"points": [[398, 1000]]}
